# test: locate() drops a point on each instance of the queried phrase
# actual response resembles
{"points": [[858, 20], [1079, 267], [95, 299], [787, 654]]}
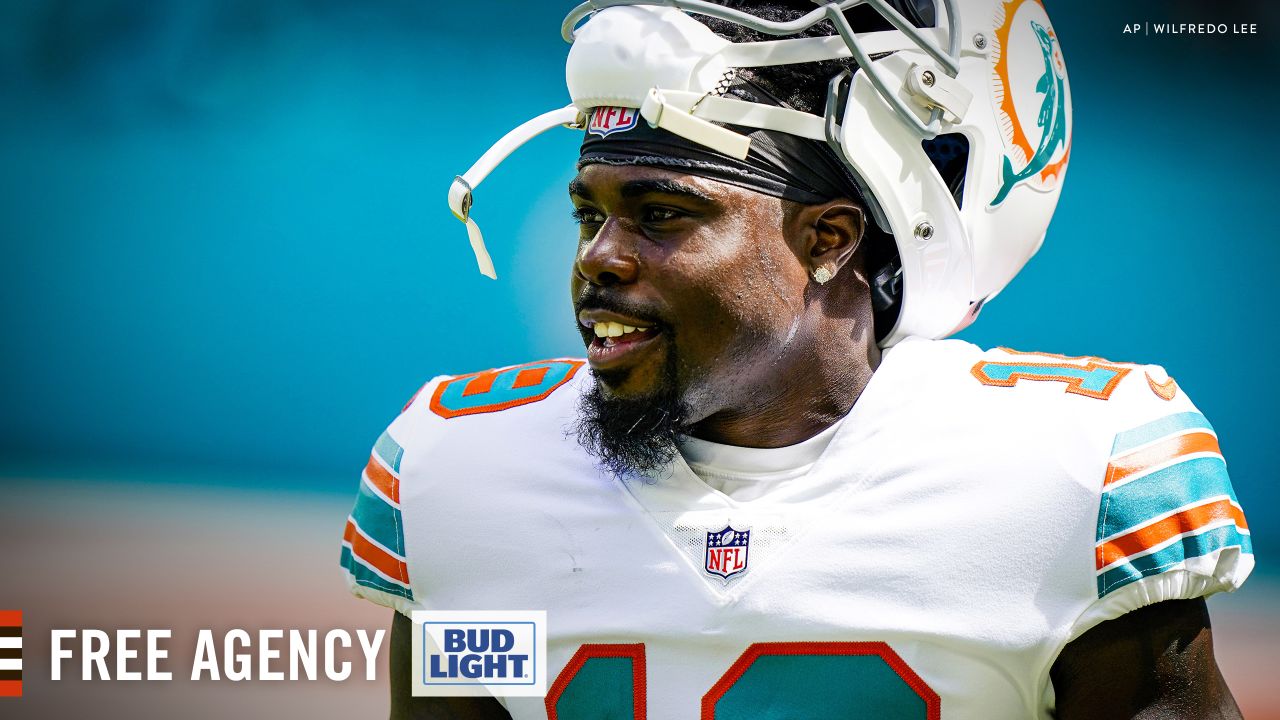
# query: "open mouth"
{"points": [[614, 342]]}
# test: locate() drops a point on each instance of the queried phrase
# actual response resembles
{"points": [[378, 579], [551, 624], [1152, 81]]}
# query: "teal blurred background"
{"points": [[227, 247], [228, 260], [226, 241]]}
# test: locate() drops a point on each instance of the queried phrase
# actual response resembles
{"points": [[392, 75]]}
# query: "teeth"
{"points": [[613, 329]]}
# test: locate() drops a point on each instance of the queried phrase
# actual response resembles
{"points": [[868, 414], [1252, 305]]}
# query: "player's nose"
{"points": [[609, 258]]}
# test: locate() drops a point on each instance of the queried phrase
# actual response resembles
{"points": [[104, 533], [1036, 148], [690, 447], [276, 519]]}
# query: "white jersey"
{"points": [[974, 513]]}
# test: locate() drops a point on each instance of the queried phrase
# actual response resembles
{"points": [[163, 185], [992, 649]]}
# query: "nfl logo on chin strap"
{"points": [[727, 552]]}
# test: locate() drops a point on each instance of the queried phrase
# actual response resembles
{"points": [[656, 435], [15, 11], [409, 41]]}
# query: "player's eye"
{"points": [[659, 214], [587, 216]]}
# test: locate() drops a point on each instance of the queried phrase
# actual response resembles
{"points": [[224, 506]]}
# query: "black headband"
{"points": [[778, 164]]}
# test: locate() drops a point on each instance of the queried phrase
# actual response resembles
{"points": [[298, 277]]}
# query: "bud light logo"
{"points": [[480, 653], [607, 119]]}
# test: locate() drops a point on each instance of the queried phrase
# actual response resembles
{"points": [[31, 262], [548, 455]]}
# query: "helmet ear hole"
{"points": [[950, 156], [884, 275]]}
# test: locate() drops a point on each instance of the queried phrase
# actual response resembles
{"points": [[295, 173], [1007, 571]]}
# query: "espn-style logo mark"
{"points": [[500, 653], [607, 119], [10, 653]]}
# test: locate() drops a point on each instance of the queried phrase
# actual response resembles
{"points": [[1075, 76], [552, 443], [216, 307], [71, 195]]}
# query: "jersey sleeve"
{"points": [[393, 551], [1169, 524], [374, 557]]}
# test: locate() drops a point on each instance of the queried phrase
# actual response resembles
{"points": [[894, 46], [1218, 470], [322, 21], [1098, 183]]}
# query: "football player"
{"points": [[771, 490]]}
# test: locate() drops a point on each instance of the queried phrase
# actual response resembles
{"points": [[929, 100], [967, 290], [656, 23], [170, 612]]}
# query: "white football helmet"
{"points": [[991, 71]]}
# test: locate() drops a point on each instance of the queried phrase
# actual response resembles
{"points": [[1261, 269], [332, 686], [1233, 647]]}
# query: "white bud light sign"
{"points": [[499, 653]]}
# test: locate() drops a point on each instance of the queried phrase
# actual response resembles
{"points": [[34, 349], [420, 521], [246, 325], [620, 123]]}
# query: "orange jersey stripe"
{"points": [[1163, 451], [1145, 538], [386, 563], [382, 479]]}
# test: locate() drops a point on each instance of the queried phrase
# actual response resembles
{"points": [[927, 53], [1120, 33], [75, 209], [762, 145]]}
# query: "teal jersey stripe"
{"points": [[1162, 491], [1157, 429], [1188, 547], [378, 520], [368, 578], [390, 451]]}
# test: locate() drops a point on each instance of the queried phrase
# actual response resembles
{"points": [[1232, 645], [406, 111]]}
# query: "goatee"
{"points": [[632, 435]]}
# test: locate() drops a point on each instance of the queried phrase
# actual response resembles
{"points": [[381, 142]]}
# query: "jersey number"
{"points": [[791, 680], [1096, 378], [501, 388]]}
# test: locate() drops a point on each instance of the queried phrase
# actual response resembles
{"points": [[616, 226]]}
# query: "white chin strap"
{"points": [[460, 191]]}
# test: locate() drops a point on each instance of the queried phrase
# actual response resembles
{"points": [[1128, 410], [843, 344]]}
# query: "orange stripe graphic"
{"points": [[382, 479], [1145, 538], [10, 618], [1139, 460], [10, 688], [388, 564]]}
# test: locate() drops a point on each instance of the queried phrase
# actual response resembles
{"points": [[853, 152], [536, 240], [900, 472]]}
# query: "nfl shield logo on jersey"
{"points": [[727, 552]]}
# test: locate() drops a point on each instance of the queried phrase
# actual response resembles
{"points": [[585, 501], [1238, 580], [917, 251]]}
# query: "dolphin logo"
{"points": [[1053, 118]]}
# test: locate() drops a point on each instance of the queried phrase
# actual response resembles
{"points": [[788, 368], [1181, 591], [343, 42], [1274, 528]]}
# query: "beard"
{"points": [[633, 435]]}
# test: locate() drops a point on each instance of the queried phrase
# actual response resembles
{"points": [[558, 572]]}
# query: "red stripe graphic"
{"points": [[10, 618], [10, 688], [1145, 538], [386, 563]]}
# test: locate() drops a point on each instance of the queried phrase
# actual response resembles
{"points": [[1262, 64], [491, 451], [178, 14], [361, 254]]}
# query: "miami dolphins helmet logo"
{"points": [[1040, 165]]}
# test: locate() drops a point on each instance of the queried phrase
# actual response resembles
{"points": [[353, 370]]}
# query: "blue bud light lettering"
{"points": [[478, 653]]}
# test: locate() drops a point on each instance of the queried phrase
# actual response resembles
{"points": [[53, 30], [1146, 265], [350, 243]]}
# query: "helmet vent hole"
{"points": [[950, 156]]}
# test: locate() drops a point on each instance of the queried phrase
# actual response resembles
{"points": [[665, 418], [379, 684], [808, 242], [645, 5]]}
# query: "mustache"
{"points": [[594, 297]]}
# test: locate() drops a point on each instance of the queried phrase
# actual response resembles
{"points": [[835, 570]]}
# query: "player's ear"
{"points": [[828, 234]]}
